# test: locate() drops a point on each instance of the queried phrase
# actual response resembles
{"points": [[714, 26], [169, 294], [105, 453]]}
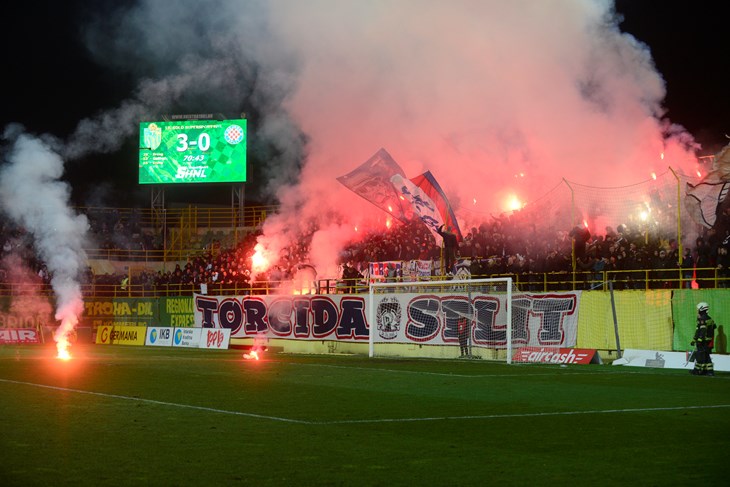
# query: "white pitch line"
{"points": [[521, 415], [469, 376], [161, 403], [368, 421], [552, 373]]}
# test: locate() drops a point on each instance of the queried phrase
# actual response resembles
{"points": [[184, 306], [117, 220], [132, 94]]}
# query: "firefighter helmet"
{"points": [[701, 307]]}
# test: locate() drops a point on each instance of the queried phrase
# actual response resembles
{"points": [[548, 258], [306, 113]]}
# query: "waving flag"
{"points": [[428, 201], [703, 200], [371, 180]]}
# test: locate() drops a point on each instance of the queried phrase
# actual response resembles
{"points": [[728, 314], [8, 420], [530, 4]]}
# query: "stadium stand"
{"points": [[129, 256]]}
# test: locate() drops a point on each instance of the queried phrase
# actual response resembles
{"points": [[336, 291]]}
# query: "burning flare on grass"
{"points": [[63, 352], [257, 349], [63, 335], [254, 355]]}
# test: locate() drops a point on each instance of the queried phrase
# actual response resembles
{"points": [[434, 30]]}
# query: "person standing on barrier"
{"points": [[351, 278], [703, 339], [450, 245]]}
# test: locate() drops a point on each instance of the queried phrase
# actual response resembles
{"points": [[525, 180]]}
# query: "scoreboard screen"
{"points": [[192, 151]]}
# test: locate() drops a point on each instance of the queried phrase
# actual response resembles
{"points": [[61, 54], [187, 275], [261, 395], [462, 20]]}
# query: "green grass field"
{"points": [[140, 416]]}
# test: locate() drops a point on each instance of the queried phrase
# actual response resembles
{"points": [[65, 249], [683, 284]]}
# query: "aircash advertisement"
{"points": [[538, 319]]}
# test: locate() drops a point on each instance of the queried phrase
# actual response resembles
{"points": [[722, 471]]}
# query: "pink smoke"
{"points": [[498, 100]]}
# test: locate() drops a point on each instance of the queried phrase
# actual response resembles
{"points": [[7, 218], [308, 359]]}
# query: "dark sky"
{"points": [[691, 49], [50, 82]]}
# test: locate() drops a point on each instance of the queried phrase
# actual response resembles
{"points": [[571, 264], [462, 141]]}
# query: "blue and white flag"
{"points": [[428, 201], [371, 180]]}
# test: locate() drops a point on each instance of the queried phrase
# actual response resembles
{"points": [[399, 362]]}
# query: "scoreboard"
{"points": [[192, 151]]}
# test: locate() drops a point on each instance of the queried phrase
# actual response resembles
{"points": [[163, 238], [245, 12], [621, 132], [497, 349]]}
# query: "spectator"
{"points": [[450, 245], [703, 264], [723, 267], [463, 332], [351, 278]]}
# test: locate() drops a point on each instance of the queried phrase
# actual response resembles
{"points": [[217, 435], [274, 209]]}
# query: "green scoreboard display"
{"points": [[192, 151]]}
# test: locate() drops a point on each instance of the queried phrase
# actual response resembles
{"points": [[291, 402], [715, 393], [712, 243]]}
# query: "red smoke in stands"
{"points": [[500, 100]]}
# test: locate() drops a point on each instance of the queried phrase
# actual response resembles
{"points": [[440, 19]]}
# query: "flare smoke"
{"points": [[33, 195]]}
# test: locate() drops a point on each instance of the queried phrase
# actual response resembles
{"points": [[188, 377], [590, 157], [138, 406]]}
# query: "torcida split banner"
{"points": [[431, 319]]}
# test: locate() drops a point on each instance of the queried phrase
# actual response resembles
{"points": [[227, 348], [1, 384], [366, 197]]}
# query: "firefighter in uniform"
{"points": [[704, 339]]}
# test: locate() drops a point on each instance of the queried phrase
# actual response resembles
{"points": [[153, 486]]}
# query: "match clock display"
{"points": [[192, 151]]}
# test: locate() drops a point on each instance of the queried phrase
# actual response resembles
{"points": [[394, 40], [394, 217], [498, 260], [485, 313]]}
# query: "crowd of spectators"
{"points": [[512, 245], [507, 245]]}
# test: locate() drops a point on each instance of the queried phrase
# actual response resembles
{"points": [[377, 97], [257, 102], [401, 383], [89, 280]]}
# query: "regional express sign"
{"points": [[192, 151]]}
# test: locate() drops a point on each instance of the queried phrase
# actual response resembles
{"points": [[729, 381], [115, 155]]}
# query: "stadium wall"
{"points": [[650, 320]]}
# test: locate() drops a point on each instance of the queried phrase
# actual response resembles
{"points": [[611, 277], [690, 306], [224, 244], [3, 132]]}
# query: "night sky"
{"points": [[691, 49], [50, 81]]}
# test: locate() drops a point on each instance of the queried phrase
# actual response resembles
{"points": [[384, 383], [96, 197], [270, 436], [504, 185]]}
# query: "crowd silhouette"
{"points": [[506, 245]]}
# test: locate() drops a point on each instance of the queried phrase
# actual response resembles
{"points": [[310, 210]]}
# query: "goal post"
{"points": [[424, 319]]}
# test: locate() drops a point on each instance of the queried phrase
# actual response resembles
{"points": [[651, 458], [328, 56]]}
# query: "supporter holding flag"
{"points": [[450, 244], [431, 206]]}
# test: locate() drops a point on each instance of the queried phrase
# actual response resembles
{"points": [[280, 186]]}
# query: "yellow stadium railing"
{"points": [[644, 279]]}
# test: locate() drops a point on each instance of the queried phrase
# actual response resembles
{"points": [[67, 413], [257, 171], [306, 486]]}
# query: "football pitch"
{"points": [[116, 415]]}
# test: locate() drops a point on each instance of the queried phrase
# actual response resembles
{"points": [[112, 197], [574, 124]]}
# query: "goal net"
{"points": [[639, 319], [442, 319]]}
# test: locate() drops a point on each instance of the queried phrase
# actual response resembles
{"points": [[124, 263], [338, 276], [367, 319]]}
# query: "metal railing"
{"points": [[204, 217], [643, 279]]}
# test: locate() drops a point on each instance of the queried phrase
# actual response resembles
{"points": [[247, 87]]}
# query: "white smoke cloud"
{"points": [[33, 195]]}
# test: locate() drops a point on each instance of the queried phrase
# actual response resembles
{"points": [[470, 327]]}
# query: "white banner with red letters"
{"points": [[538, 320], [19, 336], [550, 355], [215, 338]]}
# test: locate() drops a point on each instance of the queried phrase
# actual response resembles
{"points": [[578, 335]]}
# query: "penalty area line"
{"points": [[159, 403], [548, 373], [366, 421], [519, 415]]}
